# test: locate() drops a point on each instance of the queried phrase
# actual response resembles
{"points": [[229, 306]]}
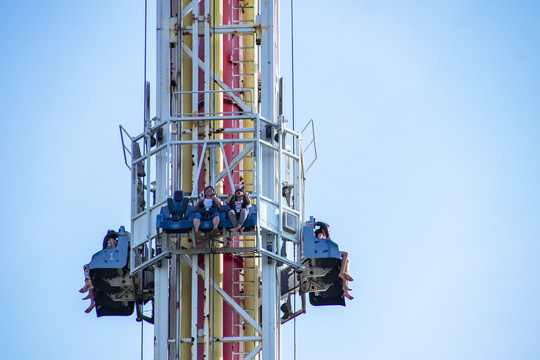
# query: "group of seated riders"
{"points": [[208, 208], [209, 204]]}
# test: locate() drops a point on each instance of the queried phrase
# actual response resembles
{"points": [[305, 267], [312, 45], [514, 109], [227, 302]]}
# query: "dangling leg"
{"points": [[215, 223], [92, 302], [87, 280], [234, 221], [196, 226], [87, 286], [243, 216], [347, 295], [344, 272]]}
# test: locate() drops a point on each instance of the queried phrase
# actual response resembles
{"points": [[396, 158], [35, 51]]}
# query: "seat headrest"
{"points": [[322, 227], [178, 195]]}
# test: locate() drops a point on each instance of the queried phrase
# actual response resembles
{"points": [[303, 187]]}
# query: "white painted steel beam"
{"points": [[161, 294]]}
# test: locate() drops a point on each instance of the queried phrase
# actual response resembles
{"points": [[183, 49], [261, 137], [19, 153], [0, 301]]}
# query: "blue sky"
{"points": [[427, 118]]}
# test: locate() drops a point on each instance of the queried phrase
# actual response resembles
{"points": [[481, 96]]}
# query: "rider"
{"points": [[109, 242], [207, 208], [239, 203], [323, 232]]}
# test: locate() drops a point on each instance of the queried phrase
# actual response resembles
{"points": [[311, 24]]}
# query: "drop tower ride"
{"points": [[219, 122]]}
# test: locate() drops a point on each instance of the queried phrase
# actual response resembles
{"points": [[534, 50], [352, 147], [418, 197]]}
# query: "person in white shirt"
{"points": [[207, 208]]}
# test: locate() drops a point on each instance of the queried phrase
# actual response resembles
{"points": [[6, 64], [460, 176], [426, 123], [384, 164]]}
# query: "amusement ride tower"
{"points": [[219, 123]]}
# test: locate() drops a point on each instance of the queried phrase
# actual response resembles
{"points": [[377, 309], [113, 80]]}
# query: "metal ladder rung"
{"points": [[243, 48], [242, 75]]}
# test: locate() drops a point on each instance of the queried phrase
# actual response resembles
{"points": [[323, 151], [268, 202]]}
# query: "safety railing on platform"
{"points": [[281, 217], [311, 142]]}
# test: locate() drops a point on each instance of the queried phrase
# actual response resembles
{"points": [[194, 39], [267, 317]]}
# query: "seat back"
{"points": [[175, 216], [116, 258], [177, 206], [315, 248]]}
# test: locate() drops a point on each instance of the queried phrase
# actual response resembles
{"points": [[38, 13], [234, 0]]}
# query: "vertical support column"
{"points": [[194, 307], [270, 326], [299, 197], [207, 61], [214, 62], [215, 59], [269, 74], [161, 302], [249, 67], [178, 307], [250, 81], [188, 154], [207, 290], [195, 88]]}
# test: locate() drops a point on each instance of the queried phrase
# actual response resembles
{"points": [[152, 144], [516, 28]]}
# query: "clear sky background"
{"points": [[427, 118]]}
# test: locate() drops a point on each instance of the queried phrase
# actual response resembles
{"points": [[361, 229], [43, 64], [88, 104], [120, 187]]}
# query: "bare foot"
{"points": [[87, 286], [235, 229], [91, 307], [92, 302], [242, 229], [346, 276], [347, 295]]}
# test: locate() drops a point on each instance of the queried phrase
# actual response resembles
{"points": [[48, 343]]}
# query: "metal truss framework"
{"points": [[182, 130]]}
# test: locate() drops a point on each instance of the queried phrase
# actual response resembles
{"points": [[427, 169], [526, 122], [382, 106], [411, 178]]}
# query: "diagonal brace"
{"points": [[220, 82], [234, 162], [226, 297]]}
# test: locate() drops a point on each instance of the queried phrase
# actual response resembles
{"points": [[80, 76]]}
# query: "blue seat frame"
{"points": [[116, 258], [315, 248], [109, 264], [183, 223], [324, 253], [249, 224]]}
